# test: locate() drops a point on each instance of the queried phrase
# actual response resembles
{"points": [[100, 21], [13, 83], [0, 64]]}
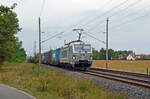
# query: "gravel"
{"points": [[132, 92]]}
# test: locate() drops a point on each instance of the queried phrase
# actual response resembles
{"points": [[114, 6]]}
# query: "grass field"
{"points": [[131, 66], [45, 83]]}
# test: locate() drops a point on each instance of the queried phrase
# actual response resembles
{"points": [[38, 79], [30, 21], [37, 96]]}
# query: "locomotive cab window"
{"points": [[79, 47], [87, 48]]}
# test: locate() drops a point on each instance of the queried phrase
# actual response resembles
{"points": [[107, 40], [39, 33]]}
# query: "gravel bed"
{"points": [[132, 92]]}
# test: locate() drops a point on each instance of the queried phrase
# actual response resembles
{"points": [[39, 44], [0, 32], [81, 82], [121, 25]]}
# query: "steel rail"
{"points": [[122, 76], [120, 79], [122, 72]]}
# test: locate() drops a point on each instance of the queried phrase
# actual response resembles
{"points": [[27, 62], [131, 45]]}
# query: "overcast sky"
{"points": [[129, 23]]}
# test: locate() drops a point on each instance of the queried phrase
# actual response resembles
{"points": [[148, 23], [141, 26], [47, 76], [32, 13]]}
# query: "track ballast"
{"points": [[136, 79]]}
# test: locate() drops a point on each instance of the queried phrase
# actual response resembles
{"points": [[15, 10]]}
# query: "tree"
{"points": [[9, 27], [102, 54], [19, 54], [95, 54]]}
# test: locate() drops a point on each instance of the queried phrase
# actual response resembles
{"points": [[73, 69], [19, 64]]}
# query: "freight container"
{"points": [[42, 58], [53, 55], [58, 55], [46, 56], [49, 58]]}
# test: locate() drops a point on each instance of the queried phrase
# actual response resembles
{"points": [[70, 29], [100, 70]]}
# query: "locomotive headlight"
{"points": [[91, 57], [73, 57]]}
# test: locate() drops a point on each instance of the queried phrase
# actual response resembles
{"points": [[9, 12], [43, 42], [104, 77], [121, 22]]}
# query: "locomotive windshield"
{"points": [[78, 48]]}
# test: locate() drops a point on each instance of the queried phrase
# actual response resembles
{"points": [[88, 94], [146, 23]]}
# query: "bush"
{"points": [[143, 59], [32, 60]]}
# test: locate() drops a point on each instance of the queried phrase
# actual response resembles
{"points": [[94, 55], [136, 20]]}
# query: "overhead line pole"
{"points": [[107, 43], [35, 49], [39, 41]]}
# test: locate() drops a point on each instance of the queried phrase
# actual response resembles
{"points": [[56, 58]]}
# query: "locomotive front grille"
{"points": [[83, 61]]}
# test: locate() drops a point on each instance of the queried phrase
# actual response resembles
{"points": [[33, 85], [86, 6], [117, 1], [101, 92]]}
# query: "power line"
{"points": [[125, 16], [127, 22], [52, 37], [73, 26], [94, 38], [90, 21], [42, 8], [127, 7], [133, 13], [106, 4], [114, 14], [97, 25], [105, 13]]}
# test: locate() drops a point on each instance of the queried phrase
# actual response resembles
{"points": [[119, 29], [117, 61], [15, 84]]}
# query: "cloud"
{"points": [[64, 15]]}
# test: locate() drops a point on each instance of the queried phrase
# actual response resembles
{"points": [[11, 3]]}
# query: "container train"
{"points": [[74, 55]]}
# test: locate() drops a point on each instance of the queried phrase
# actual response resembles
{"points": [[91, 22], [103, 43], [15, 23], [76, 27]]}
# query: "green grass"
{"points": [[45, 83]]}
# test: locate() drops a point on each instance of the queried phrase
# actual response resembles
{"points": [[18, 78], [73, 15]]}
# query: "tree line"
{"points": [[10, 47], [112, 54]]}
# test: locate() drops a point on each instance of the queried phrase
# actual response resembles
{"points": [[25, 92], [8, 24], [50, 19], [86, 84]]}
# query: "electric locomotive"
{"points": [[76, 55]]}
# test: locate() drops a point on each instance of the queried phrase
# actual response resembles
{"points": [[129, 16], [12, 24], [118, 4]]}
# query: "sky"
{"points": [[128, 23]]}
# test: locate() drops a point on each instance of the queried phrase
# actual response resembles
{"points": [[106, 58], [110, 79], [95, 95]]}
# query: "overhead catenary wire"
{"points": [[106, 4], [114, 14], [132, 4], [97, 25], [129, 21], [75, 25], [85, 25], [127, 7], [133, 13], [82, 20], [52, 37], [94, 37], [42, 8], [105, 13]]}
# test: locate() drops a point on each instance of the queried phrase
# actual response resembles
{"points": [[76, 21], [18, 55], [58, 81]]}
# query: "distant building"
{"points": [[131, 56]]}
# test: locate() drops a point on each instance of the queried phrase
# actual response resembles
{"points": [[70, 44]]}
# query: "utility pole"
{"points": [[107, 43], [39, 41], [35, 49], [79, 31]]}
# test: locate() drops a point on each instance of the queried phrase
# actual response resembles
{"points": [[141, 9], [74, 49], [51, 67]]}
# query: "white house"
{"points": [[131, 57]]}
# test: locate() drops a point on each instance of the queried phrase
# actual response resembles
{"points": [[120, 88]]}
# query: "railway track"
{"points": [[122, 72], [135, 79], [139, 80]]}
